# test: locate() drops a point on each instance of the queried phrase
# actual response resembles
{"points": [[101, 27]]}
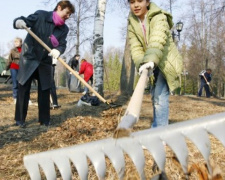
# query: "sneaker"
{"points": [[55, 106], [23, 125], [14, 101], [17, 123], [45, 124]]}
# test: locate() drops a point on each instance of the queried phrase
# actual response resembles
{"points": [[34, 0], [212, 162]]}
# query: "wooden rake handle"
{"points": [[207, 83], [67, 66]]}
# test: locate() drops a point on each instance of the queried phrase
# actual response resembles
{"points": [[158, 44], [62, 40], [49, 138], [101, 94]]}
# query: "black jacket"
{"points": [[34, 55], [207, 76]]}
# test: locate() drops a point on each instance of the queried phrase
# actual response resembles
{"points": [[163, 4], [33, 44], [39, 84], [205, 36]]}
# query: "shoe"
{"points": [[23, 125], [55, 106], [17, 123], [14, 101], [45, 124]]}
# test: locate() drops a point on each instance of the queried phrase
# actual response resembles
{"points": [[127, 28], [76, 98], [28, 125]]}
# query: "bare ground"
{"points": [[77, 125]]}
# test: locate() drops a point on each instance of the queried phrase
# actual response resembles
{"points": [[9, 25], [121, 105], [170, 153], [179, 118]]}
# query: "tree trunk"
{"points": [[98, 46], [128, 72]]}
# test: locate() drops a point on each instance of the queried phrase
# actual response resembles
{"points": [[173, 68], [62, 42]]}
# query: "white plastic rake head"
{"points": [[196, 130]]}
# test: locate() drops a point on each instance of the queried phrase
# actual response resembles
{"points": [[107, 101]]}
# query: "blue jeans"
{"points": [[14, 73], [160, 99], [206, 86], [86, 88]]}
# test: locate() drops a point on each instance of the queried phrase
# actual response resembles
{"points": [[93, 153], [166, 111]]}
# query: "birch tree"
{"points": [[98, 46]]}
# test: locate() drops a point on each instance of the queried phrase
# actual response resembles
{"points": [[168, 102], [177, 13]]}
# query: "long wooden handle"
{"points": [[132, 113], [207, 83], [67, 66]]}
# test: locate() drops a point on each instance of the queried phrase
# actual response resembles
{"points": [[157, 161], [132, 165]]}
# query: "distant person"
{"points": [[74, 64], [205, 78], [152, 48], [13, 65], [36, 62], [86, 68], [53, 94]]}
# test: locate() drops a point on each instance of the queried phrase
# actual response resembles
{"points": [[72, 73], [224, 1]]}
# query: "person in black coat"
{"points": [[205, 77], [74, 64], [36, 62]]}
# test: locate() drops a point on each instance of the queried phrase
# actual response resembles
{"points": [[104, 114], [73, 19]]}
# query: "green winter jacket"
{"points": [[159, 47]]}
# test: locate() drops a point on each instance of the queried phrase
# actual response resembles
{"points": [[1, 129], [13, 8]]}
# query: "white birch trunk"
{"points": [[98, 46]]}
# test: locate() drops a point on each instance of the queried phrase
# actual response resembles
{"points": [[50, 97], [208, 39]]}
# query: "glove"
{"points": [[20, 24], [149, 65], [54, 53], [208, 83], [3, 72], [54, 61]]}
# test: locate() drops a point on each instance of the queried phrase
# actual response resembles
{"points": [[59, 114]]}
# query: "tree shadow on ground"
{"points": [[214, 101], [13, 134]]}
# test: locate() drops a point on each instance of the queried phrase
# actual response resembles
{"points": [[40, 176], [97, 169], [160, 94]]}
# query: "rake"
{"points": [[196, 130]]}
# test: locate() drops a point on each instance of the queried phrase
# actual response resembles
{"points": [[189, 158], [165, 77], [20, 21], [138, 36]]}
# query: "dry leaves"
{"points": [[77, 125]]}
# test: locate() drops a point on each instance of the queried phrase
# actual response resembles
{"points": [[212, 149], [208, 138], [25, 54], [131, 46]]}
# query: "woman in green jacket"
{"points": [[152, 48]]}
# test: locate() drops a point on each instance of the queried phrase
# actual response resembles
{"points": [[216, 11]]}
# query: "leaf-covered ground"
{"points": [[74, 125]]}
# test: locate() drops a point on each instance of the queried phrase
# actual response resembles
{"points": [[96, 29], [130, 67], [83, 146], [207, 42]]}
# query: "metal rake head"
{"points": [[196, 130]]}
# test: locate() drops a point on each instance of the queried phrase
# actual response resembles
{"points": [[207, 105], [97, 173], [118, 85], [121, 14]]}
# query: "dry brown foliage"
{"points": [[77, 125]]}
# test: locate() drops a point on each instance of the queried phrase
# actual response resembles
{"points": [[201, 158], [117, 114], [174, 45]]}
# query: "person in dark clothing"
{"points": [[36, 62], [74, 64], [205, 77]]}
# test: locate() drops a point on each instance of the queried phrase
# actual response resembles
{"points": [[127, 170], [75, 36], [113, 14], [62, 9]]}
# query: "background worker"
{"points": [[73, 82], [205, 78], [13, 65], [86, 68]]}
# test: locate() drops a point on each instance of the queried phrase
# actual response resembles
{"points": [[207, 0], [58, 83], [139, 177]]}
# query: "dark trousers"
{"points": [[206, 86], [23, 97], [53, 88]]}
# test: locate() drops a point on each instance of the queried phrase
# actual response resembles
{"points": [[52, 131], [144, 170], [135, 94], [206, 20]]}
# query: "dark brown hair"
{"points": [[146, 0], [65, 4]]}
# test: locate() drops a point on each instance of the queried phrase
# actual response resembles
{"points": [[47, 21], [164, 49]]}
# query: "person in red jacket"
{"points": [[86, 68], [13, 65]]}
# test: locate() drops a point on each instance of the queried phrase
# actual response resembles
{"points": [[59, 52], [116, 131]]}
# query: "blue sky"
{"points": [[13, 9], [9, 12]]}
